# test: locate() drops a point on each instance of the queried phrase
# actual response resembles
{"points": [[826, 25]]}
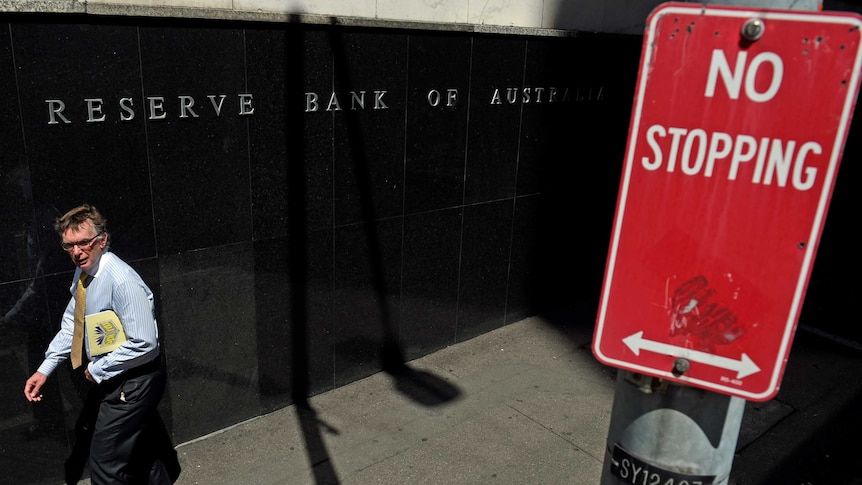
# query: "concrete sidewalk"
{"points": [[524, 404]]}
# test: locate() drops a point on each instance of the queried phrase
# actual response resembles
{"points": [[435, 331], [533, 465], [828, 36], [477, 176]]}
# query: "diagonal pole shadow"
{"points": [[423, 387], [294, 63], [318, 457], [389, 351]]}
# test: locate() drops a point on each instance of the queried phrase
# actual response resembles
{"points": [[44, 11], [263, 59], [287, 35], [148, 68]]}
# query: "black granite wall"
{"points": [[295, 247], [296, 239]]}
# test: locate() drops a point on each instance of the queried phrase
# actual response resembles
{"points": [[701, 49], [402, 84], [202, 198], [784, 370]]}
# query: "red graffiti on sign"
{"points": [[699, 316]]}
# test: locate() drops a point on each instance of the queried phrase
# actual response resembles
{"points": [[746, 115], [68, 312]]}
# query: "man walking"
{"points": [[128, 443]]}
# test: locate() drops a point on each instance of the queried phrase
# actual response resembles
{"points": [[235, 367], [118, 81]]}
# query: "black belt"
{"points": [[150, 367]]}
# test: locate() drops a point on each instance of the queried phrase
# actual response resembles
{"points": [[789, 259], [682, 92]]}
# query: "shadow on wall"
{"points": [[422, 387], [585, 150]]}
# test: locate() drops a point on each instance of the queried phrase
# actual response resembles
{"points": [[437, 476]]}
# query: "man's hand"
{"points": [[88, 375], [33, 387]]}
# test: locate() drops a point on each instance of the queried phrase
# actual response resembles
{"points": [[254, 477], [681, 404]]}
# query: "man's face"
{"points": [[85, 248]]}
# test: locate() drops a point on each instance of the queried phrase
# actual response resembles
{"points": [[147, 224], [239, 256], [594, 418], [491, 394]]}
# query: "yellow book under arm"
{"points": [[104, 332]]}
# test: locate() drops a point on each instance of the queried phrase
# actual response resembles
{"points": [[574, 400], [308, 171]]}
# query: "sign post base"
{"points": [[670, 434]]}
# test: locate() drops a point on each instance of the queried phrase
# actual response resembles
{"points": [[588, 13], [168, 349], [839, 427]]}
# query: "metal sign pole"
{"points": [[669, 434]]}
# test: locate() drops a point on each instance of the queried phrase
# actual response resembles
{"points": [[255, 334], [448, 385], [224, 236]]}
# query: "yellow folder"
{"points": [[104, 332]]}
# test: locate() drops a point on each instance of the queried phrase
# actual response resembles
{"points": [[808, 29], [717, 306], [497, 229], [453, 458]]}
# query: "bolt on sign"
{"points": [[737, 129]]}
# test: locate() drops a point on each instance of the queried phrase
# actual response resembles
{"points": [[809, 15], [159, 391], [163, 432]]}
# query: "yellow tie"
{"points": [[78, 335]]}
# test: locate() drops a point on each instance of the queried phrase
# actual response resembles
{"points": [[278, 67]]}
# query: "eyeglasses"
{"points": [[82, 245]]}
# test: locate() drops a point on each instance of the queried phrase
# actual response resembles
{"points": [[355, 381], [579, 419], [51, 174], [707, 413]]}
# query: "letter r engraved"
{"points": [[55, 109], [186, 103]]}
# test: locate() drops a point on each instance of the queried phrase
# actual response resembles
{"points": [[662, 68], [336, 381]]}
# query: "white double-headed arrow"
{"points": [[744, 366]]}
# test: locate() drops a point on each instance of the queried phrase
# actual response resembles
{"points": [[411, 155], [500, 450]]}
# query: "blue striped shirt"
{"points": [[114, 285]]}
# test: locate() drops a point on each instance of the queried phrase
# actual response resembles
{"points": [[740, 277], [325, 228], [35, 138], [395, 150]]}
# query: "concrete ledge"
{"points": [[172, 12], [228, 14], [43, 6], [531, 17]]}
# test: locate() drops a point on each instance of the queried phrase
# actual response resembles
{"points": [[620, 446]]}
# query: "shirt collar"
{"points": [[99, 264]]}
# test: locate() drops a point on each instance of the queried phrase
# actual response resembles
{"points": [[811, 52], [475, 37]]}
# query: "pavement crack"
{"points": [[558, 435]]}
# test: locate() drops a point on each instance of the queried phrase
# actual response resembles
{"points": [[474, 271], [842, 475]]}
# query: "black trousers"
{"points": [[130, 444]]}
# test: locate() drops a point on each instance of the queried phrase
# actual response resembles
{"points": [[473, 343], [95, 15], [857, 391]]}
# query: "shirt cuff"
{"points": [[47, 368]]}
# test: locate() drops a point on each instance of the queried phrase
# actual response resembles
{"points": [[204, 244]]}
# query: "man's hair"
{"points": [[77, 216]]}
